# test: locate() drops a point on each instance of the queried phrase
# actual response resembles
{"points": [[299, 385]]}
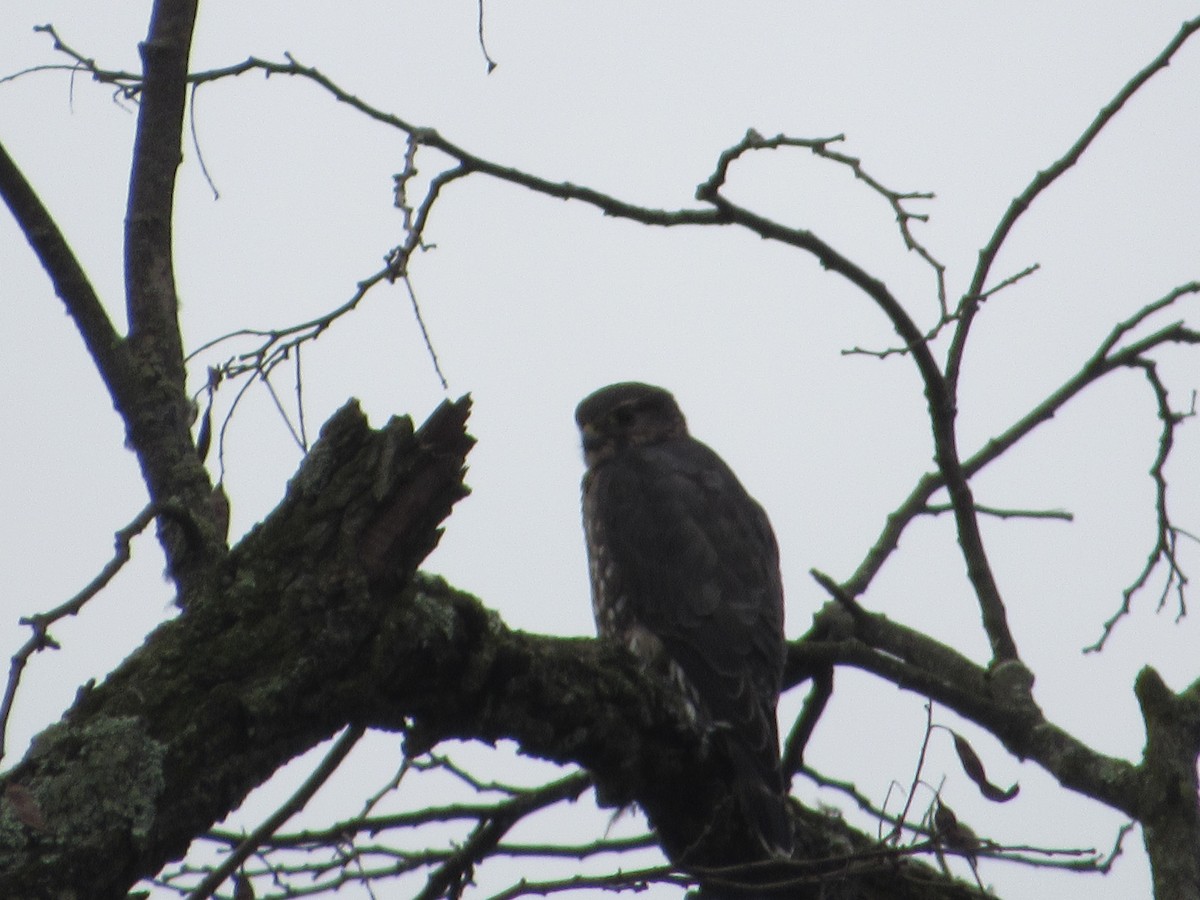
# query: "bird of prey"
{"points": [[685, 572]]}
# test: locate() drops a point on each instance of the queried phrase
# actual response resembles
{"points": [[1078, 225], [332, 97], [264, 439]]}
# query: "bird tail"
{"points": [[758, 787]]}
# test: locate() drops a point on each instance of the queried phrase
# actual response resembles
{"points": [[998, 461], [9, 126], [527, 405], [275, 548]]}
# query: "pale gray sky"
{"points": [[532, 303]]}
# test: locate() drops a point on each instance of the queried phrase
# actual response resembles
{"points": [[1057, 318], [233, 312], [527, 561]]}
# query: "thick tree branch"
{"points": [[264, 666], [1170, 808], [144, 373], [999, 698], [159, 415], [149, 273]]}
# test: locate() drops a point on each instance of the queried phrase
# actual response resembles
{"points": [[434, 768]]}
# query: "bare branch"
{"points": [[491, 63], [1041, 181], [1103, 361], [488, 833], [806, 722], [940, 400], [148, 384], [998, 699], [896, 199], [636, 880], [433, 357], [331, 852], [936, 509], [946, 318], [1166, 534], [196, 145], [1085, 859], [131, 84], [250, 844], [894, 836], [40, 622], [581, 851], [70, 282], [150, 280]]}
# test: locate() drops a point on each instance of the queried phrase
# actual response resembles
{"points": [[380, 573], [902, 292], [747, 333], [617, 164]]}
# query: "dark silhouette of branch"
{"points": [[936, 509], [969, 305], [484, 839], [938, 392], [158, 416], [806, 722], [1082, 859], [1106, 359], [998, 699], [1166, 534], [635, 880], [893, 837], [69, 280], [250, 844], [40, 623], [953, 475], [145, 372], [895, 199], [150, 281]]}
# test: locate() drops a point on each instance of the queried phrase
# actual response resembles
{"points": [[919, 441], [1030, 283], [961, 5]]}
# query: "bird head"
{"points": [[629, 414]]}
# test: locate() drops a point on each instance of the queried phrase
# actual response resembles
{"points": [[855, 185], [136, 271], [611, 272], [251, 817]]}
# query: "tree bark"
{"points": [[1170, 801], [253, 673]]}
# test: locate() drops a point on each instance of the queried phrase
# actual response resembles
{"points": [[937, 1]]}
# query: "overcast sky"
{"points": [[531, 303]]}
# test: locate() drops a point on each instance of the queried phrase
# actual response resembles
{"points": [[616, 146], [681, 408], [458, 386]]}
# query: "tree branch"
{"points": [[1169, 809], [248, 845], [999, 699], [1107, 358], [159, 415], [70, 281], [266, 665], [969, 305], [40, 623], [939, 394], [1166, 533], [149, 273]]}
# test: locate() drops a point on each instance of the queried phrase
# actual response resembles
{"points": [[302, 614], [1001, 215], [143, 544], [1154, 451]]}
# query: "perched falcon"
{"points": [[685, 572]]}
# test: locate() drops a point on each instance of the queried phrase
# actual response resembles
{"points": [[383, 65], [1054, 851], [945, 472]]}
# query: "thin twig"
{"points": [[416, 308], [894, 835], [1166, 535], [338, 752], [196, 145], [40, 623], [636, 880], [937, 509], [491, 63]]}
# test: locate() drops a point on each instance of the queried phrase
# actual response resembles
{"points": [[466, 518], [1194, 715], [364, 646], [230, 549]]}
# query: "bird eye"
{"points": [[623, 416]]}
